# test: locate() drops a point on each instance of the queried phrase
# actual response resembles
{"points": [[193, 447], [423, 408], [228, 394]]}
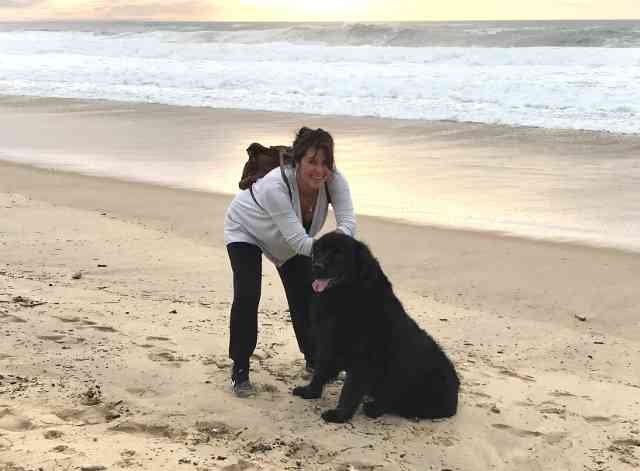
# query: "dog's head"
{"points": [[341, 260]]}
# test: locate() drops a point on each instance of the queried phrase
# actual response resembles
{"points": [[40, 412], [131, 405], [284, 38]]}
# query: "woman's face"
{"points": [[314, 169]]}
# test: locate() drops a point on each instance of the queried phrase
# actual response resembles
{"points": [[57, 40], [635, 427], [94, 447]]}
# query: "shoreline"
{"points": [[426, 123], [84, 136]]}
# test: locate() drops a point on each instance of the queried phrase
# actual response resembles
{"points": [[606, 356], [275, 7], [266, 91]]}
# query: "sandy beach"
{"points": [[114, 305]]}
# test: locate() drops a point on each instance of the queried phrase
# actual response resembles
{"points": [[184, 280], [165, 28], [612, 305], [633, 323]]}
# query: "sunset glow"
{"points": [[312, 10]]}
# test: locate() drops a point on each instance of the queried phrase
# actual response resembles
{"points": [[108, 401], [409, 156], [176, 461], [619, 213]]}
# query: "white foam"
{"points": [[578, 88]]}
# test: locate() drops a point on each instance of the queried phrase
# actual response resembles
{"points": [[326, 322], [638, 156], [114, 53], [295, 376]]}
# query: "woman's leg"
{"points": [[246, 263], [295, 274]]}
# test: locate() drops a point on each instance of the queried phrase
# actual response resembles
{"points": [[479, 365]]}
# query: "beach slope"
{"points": [[114, 304]]}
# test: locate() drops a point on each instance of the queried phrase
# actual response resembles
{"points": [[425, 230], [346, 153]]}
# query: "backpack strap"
{"points": [[254, 197], [284, 177], [286, 180]]}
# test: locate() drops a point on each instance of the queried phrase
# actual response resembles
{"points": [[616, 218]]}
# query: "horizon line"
{"points": [[98, 20]]}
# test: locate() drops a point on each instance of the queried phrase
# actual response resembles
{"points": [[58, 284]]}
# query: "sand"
{"points": [[114, 304]]}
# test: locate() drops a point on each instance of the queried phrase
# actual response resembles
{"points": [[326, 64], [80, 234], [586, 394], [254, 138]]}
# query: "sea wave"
{"points": [[614, 34]]}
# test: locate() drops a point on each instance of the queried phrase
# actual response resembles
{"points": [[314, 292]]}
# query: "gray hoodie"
{"points": [[275, 224]]}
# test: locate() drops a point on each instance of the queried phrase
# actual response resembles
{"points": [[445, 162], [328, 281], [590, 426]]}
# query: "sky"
{"points": [[318, 10]]}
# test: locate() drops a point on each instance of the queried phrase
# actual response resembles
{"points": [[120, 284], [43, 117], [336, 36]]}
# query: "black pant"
{"points": [[246, 263]]}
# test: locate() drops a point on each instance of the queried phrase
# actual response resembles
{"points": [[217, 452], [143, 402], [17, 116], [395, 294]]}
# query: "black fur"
{"points": [[361, 327]]}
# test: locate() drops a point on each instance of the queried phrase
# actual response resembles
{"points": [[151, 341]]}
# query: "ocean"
{"points": [[577, 75]]}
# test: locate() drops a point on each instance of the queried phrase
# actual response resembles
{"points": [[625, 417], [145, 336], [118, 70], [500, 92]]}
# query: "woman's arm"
{"points": [[277, 204], [342, 204]]}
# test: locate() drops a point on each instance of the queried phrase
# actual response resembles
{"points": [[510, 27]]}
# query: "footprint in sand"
{"points": [[301, 449], [268, 388], [526, 403], [144, 345], [52, 434], [138, 391], [62, 449], [162, 339], [241, 465], [560, 393], [517, 431], [550, 407], [96, 412], [52, 338], [13, 421], [513, 374], [88, 416], [5, 443], [167, 357], [61, 339], [356, 466], [27, 302], [103, 328], [154, 430], [599, 419], [443, 440], [261, 354], [478, 394], [68, 319], [212, 429], [552, 438], [127, 460], [635, 442], [11, 318], [625, 449], [76, 320]]}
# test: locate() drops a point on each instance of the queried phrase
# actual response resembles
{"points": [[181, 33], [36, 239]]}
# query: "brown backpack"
{"points": [[264, 159], [261, 161]]}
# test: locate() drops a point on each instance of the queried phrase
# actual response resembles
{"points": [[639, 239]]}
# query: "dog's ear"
{"points": [[367, 266]]}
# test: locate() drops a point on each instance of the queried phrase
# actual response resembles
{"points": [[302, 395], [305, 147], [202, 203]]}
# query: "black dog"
{"points": [[361, 327]]}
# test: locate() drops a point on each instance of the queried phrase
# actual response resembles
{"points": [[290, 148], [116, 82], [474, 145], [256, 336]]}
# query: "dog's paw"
{"points": [[306, 392], [336, 416], [372, 409]]}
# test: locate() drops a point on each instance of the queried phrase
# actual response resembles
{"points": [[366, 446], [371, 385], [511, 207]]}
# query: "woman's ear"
{"points": [[366, 265]]}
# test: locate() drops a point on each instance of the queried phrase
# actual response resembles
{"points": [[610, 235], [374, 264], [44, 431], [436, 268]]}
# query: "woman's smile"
{"points": [[314, 170]]}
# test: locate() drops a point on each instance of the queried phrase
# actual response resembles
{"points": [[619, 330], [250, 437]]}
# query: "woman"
{"points": [[280, 221]]}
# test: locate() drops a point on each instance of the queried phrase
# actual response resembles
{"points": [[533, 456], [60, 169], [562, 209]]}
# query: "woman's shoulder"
{"points": [[337, 179], [273, 183], [274, 177]]}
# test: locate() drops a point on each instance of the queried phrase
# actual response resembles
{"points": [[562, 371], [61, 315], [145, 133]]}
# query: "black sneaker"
{"points": [[240, 383]]}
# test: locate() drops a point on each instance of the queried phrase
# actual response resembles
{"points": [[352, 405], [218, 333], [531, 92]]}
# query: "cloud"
{"points": [[19, 3], [156, 9]]}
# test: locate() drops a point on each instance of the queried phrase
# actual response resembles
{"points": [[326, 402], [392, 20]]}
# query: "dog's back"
{"points": [[426, 380]]}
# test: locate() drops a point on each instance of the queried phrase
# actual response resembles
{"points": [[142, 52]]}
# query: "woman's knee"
{"points": [[246, 301]]}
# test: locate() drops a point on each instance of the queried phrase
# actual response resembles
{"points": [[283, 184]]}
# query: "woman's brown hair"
{"points": [[307, 138]]}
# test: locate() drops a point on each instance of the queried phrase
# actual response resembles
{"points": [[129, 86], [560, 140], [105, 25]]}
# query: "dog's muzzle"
{"points": [[320, 284]]}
